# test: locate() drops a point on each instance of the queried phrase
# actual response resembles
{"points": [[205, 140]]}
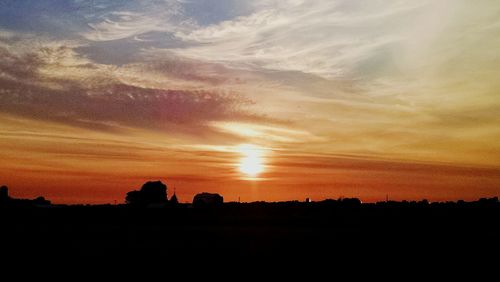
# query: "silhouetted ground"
{"points": [[326, 234]]}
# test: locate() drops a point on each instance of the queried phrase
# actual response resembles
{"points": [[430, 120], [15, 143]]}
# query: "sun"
{"points": [[251, 163]]}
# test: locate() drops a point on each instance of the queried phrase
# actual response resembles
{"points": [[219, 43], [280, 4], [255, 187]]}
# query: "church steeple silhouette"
{"points": [[174, 199]]}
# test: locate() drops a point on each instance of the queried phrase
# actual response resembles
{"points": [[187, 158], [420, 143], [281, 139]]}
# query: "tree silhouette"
{"points": [[152, 192]]}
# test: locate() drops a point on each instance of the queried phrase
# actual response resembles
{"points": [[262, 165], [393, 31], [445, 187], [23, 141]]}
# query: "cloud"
{"points": [[17, 68], [126, 24], [320, 37], [51, 82], [359, 41], [122, 105], [266, 133], [142, 18]]}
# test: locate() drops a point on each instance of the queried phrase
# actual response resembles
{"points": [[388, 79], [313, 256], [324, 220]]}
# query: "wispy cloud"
{"points": [[265, 133], [144, 17], [125, 25], [328, 38], [52, 82]]}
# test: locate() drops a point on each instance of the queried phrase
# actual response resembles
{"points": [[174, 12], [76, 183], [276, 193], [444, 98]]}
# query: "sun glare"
{"points": [[251, 163]]}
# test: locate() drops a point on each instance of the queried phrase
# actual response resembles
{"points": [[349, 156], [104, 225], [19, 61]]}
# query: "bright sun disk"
{"points": [[251, 164]]}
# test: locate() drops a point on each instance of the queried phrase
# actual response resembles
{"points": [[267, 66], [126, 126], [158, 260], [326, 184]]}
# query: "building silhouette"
{"points": [[174, 200]]}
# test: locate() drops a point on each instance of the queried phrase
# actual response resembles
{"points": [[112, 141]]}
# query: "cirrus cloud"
{"points": [[51, 82]]}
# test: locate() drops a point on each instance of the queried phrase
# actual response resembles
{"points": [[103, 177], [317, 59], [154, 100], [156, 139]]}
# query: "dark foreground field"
{"points": [[297, 233]]}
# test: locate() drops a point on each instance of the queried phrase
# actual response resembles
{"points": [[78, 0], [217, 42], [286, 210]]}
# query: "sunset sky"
{"points": [[263, 100]]}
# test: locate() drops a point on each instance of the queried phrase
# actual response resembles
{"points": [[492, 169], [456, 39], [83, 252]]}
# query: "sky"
{"points": [[260, 100]]}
